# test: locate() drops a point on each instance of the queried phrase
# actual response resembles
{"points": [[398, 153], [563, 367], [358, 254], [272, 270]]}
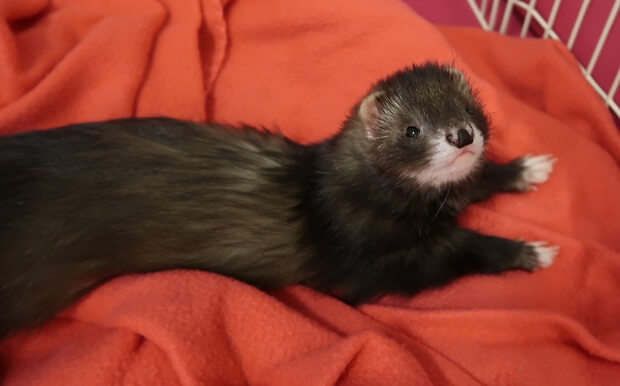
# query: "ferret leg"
{"points": [[465, 252], [481, 253], [520, 175]]}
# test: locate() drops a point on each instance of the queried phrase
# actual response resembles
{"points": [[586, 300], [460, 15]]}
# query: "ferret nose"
{"points": [[459, 138]]}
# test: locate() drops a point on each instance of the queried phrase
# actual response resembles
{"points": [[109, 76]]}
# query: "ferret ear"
{"points": [[370, 112], [460, 78]]}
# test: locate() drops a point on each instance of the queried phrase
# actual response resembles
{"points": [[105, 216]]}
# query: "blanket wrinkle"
{"points": [[555, 325]]}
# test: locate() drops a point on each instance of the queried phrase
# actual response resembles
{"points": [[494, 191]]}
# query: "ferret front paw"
{"points": [[535, 170], [537, 255]]}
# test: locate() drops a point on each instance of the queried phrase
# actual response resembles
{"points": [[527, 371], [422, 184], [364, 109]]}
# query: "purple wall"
{"points": [[458, 12]]}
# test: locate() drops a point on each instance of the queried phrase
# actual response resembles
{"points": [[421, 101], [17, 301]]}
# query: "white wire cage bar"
{"points": [[487, 12]]}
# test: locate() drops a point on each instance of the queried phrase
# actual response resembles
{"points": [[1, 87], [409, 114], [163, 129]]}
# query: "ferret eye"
{"points": [[469, 110], [412, 131]]}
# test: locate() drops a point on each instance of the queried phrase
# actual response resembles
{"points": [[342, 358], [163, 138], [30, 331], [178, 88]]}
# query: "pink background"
{"points": [[458, 12]]}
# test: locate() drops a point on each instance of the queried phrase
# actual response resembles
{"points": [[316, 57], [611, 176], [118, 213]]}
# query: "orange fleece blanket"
{"points": [[300, 65]]}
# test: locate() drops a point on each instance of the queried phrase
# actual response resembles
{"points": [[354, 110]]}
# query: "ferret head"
{"points": [[426, 124]]}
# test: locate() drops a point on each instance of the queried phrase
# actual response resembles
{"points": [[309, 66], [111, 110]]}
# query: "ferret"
{"points": [[368, 212]]}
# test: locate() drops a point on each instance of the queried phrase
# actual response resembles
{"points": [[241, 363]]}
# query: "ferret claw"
{"points": [[536, 170], [545, 254]]}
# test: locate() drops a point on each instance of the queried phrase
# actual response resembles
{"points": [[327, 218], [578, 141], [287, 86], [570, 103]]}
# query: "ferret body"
{"points": [[369, 212]]}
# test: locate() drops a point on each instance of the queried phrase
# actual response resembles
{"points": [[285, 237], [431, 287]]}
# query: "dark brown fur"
{"points": [[84, 203]]}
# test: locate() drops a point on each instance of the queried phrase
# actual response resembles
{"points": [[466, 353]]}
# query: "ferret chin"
{"points": [[369, 212]]}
